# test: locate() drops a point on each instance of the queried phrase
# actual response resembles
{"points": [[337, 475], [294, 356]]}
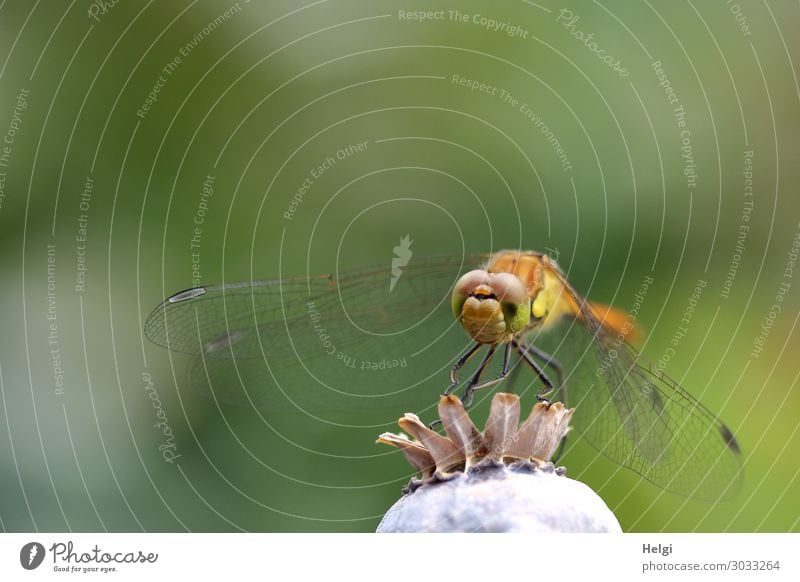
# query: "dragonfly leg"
{"points": [[551, 363], [454, 375], [466, 399], [473, 385], [526, 351], [458, 365], [512, 379], [545, 379]]}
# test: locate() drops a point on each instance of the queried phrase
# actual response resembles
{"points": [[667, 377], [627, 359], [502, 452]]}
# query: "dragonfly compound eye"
{"points": [[514, 301], [465, 287], [508, 288]]}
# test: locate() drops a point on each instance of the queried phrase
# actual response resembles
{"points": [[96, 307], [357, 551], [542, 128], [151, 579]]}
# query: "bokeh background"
{"points": [[115, 114]]}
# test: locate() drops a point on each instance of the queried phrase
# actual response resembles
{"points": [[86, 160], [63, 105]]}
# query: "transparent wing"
{"points": [[321, 344], [634, 414]]}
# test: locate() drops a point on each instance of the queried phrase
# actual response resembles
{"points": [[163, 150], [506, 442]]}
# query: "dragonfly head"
{"points": [[491, 306]]}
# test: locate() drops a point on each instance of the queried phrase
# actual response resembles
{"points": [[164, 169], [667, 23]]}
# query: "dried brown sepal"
{"points": [[541, 432], [502, 440], [555, 427], [446, 455], [460, 430], [502, 424], [416, 454]]}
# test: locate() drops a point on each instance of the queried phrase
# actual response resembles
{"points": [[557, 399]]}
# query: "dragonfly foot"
{"points": [[466, 401]]}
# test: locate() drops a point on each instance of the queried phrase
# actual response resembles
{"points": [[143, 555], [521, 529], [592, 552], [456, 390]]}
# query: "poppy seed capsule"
{"points": [[498, 480]]}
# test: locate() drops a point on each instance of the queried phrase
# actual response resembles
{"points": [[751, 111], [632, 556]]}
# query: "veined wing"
{"points": [[357, 305], [634, 414], [324, 343]]}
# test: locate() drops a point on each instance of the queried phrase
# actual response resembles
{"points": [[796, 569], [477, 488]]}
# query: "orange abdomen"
{"points": [[618, 322]]}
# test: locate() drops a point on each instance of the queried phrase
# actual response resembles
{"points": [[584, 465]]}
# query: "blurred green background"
{"points": [[560, 152]]}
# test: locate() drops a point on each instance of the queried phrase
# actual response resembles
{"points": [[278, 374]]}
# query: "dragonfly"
{"points": [[374, 340]]}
